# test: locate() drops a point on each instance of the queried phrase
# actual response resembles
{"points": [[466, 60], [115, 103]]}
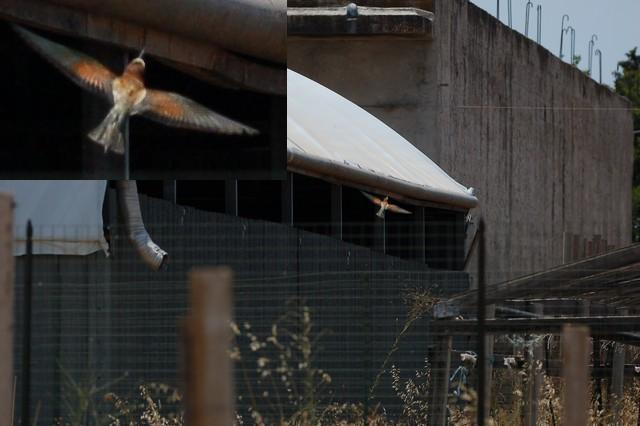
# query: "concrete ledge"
{"points": [[404, 22]]}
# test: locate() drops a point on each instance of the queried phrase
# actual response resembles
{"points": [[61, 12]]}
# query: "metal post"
{"points": [[287, 200], [617, 378], [231, 197], [498, 9], [562, 31], [169, 189], [481, 312], [527, 14], [7, 266], [509, 8], [592, 44], [420, 237], [26, 329], [336, 211], [539, 34], [599, 55], [536, 377]]}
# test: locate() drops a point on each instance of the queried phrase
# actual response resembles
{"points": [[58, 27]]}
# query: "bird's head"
{"points": [[136, 68]]}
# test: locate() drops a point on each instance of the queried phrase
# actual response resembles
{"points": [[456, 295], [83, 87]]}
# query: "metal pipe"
{"points": [[539, 34], [599, 54], [256, 28], [562, 31], [509, 10], [129, 204], [527, 14], [498, 9], [572, 31], [573, 45], [592, 44]]}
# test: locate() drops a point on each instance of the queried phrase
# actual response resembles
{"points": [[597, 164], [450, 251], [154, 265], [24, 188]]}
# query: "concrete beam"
{"points": [[406, 22], [420, 4]]}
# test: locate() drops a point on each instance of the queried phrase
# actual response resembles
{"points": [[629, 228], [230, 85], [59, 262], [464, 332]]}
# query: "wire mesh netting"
{"points": [[103, 326], [325, 331]]}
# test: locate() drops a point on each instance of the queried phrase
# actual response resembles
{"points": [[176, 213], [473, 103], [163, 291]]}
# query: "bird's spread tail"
{"points": [[380, 213], [109, 133]]}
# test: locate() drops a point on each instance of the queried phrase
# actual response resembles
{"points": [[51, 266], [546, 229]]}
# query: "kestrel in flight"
{"points": [[129, 96], [384, 205]]}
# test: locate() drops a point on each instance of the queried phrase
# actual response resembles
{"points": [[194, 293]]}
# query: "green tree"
{"points": [[628, 85]]}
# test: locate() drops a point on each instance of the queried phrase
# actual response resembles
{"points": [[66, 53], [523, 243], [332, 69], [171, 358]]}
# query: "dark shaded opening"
{"points": [[151, 188], [444, 239], [260, 199], [202, 194], [358, 218], [312, 204], [401, 233]]}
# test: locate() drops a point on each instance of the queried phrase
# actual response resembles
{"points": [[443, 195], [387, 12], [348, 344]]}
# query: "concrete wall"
{"points": [[548, 149]]}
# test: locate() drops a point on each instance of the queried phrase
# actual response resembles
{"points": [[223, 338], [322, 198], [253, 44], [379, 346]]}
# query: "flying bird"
{"points": [[384, 205], [128, 95]]}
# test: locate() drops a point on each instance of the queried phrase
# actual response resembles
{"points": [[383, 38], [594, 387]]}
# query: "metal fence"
{"points": [[102, 325]]}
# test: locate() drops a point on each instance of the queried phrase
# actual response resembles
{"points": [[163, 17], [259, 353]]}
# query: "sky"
{"points": [[615, 22]]}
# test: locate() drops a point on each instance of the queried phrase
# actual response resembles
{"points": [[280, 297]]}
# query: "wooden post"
{"points": [[534, 384], [209, 395], [617, 378], [6, 308], [440, 380], [575, 371]]}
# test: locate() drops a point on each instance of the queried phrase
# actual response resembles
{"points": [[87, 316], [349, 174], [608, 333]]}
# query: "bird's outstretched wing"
{"points": [[373, 198], [178, 111], [80, 68], [396, 209]]}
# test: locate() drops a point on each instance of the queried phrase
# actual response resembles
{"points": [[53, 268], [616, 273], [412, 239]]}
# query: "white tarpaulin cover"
{"points": [[66, 215], [329, 136]]}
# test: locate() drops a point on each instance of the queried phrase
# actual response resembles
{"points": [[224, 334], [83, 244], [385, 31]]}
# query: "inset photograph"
{"points": [[142, 91]]}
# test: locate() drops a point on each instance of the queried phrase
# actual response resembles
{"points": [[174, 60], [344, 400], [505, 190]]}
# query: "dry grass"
{"points": [[285, 387]]}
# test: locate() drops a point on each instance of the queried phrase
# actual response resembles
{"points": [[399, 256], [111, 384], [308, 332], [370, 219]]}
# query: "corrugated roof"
{"points": [[329, 136]]}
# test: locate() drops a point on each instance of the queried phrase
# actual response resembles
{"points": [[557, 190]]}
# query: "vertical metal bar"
{"points": [[26, 329], [336, 211], [562, 31], [599, 55], [231, 197], [573, 45], [419, 239], [482, 356], [539, 33], [529, 6], [509, 11], [287, 200], [169, 190], [498, 9], [592, 44]]}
